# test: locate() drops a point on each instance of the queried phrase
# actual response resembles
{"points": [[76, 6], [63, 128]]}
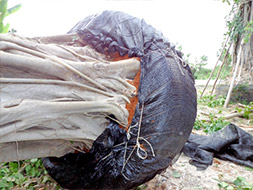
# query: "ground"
{"points": [[183, 176]]}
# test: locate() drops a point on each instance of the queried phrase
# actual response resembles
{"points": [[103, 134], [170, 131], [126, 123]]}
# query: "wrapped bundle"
{"points": [[127, 109]]}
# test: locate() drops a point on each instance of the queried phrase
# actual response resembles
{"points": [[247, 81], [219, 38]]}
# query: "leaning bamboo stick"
{"points": [[221, 66], [234, 76], [210, 76]]}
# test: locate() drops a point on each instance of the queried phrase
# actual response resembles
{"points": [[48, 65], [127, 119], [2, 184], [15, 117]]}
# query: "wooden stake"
{"points": [[214, 67], [218, 74], [234, 76]]}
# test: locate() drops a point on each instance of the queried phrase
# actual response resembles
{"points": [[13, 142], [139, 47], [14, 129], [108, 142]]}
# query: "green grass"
{"points": [[240, 183], [28, 174], [214, 125], [211, 101]]}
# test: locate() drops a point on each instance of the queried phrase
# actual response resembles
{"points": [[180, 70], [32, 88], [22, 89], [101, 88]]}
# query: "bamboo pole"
{"points": [[214, 67], [234, 76], [218, 74]]}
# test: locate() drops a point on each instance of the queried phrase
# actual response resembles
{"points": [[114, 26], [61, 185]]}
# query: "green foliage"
{"points": [[239, 183], [225, 71], [248, 30], [225, 54], [198, 69], [201, 62], [200, 72], [215, 124], [247, 110], [27, 174], [4, 12], [248, 168], [211, 101], [229, 1], [141, 187], [204, 73], [235, 24]]}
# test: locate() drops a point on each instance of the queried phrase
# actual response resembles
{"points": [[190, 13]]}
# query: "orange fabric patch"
{"points": [[135, 82], [117, 57], [134, 100]]}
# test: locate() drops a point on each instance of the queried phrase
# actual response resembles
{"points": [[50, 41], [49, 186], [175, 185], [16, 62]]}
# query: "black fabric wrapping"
{"points": [[231, 143], [166, 102]]}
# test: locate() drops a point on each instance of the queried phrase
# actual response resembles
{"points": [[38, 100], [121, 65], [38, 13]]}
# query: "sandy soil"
{"points": [[183, 176]]}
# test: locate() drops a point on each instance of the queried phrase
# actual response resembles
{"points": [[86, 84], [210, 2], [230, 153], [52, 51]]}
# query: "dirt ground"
{"points": [[183, 176]]}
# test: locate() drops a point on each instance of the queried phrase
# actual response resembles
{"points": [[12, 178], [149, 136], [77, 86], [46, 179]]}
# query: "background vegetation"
{"points": [[4, 12]]}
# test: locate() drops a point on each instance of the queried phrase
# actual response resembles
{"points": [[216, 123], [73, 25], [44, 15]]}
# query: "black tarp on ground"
{"points": [[231, 143], [163, 119]]}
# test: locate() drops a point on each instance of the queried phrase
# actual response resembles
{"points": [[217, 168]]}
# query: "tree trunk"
{"points": [[246, 59]]}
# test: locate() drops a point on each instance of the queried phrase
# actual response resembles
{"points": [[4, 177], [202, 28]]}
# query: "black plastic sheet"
{"points": [[163, 119], [231, 143]]}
